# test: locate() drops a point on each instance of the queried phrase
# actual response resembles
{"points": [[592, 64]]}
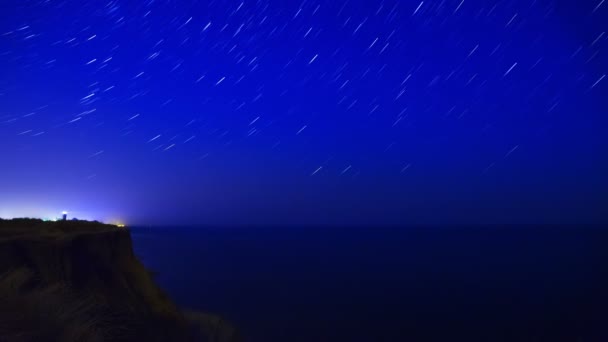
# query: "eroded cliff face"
{"points": [[82, 284], [100, 262]]}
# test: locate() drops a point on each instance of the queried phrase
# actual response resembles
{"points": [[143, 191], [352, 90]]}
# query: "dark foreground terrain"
{"points": [[80, 281]]}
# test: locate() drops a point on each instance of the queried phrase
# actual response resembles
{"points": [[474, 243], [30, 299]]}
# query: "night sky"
{"points": [[305, 112]]}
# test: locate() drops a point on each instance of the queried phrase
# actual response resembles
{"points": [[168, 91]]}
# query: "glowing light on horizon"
{"points": [[51, 212]]}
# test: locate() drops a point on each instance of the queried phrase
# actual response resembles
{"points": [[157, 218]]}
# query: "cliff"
{"points": [[80, 281]]}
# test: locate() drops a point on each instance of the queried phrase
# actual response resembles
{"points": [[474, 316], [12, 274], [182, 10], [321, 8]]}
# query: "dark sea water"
{"points": [[520, 283]]}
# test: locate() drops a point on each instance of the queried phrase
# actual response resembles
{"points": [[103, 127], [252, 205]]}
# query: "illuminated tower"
{"points": [[65, 215]]}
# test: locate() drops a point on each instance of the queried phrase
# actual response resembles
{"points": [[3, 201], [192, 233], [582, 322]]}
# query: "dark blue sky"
{"points": [[304, 112]]}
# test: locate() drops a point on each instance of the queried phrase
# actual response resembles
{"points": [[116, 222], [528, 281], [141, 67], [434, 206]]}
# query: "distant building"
{"points": [[65, 216]]}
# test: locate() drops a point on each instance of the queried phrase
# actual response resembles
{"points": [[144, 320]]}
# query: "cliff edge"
{"points": [[80, 281]]}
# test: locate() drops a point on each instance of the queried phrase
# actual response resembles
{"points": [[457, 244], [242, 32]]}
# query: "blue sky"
{"points": [[308, 112]]}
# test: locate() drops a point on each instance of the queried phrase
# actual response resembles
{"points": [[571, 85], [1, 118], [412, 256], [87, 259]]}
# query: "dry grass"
{"points": [[79, 281], [55, 229], [49, 313]]}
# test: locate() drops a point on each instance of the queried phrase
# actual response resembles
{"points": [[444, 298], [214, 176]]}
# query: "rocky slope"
{"points": [[80, 281]]}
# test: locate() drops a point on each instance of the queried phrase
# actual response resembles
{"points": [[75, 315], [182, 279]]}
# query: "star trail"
{"points": [[281, 112]]}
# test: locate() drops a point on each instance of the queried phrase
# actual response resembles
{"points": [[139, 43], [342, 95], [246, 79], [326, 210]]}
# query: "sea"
{"points": [[312, 284]]}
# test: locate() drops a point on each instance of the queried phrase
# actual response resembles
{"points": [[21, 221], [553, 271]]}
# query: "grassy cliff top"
{"points": [[26, 227]]}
